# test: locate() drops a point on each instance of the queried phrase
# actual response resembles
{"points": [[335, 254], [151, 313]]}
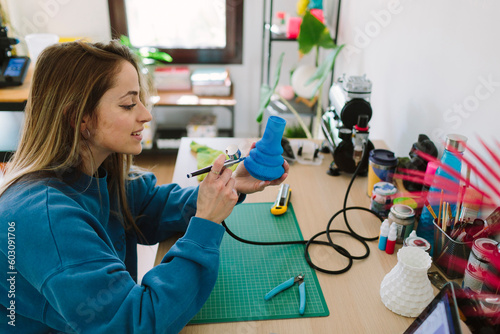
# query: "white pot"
{"points": [[300, 76], [406, 289]]}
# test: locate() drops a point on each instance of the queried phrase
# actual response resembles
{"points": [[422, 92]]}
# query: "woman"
{"points": [[72, 209]]}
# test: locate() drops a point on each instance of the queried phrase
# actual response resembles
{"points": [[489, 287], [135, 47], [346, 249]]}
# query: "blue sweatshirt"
{"points": [[68, 266]]}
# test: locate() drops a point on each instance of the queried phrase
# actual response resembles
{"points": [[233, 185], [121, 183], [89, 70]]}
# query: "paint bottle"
{"points": [[382, 195], [391, 239], [404, 217], [384, 232]]}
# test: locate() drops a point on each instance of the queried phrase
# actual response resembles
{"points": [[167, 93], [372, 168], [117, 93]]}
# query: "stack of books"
{"points": [[211, 82], [175, 78]]}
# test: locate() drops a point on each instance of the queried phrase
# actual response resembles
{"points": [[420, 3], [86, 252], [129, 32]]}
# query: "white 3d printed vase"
{"points": [[406, 289]]}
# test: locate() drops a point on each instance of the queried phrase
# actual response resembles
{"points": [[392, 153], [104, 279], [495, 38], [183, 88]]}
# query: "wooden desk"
{"points": [[353, 298]]}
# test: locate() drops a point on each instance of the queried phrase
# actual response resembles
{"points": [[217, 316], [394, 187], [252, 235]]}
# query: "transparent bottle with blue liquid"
{"points": [[454, 148]]}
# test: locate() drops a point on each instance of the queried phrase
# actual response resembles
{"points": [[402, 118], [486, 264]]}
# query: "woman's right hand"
{"points": [[216, 195]]}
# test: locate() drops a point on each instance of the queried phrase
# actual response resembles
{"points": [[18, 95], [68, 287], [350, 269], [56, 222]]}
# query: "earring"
{"points": [[88, 134]]}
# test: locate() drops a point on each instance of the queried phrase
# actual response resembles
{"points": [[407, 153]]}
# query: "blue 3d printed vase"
{"points": [[265, 161]]}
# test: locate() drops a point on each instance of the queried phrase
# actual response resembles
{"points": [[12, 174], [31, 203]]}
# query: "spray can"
{"points": [[491, 279], [479, 259]]}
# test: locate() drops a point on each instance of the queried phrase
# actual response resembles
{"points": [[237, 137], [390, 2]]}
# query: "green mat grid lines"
{"points": [[248, 272]]}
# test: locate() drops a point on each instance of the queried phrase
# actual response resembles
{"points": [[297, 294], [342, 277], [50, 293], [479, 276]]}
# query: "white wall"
{"points": [[434, 65], [66, 18]]}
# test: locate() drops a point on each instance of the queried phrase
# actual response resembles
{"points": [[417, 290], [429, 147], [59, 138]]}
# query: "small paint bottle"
{"points": [[384, 232], [391, 239]]}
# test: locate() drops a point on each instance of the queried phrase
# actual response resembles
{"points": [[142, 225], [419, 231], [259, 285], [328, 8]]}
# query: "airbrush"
{"points": [[234, 154], [265, 160]]}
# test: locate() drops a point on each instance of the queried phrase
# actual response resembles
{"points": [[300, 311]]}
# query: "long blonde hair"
{"points": [[68, 83]]}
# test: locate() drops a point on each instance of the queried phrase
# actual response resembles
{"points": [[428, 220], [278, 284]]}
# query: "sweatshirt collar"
{"points": [[84, 182]]}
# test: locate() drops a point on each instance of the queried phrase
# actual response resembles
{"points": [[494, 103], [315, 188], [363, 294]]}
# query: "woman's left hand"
{"points": [[247, 184]]}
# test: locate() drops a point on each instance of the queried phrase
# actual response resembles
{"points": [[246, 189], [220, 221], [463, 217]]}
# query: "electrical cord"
{"points": [[312, 241]]}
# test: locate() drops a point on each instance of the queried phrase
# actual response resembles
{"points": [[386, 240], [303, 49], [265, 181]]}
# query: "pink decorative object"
{"points": [[318, 13], [293, 27], [286, 92]]}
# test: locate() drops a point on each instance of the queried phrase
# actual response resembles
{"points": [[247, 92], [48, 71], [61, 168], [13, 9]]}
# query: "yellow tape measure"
{"points": [[281, 205]]}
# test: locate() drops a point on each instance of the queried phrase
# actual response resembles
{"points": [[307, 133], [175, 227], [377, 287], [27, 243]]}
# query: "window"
{"points": [[191, 31]]}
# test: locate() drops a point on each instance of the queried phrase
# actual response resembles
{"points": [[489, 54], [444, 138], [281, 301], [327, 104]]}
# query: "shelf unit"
{"points": [[268, 40], [186, 99]]}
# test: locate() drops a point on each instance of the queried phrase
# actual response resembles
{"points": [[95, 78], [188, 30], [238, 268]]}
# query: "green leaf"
{"points": [[325, 40], [325, 68], [265, 97], [278, 71], [161, 56], [125, 41], [266, 92], [313, 32], [146, 52]]}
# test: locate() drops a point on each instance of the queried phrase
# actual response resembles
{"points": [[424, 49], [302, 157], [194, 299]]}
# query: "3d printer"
{"points": [[347, 120], [12, 69]]}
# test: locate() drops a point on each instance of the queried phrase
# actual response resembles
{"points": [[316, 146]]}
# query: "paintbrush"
{"points": [[471, 205], [461, 195], [440, 210]]}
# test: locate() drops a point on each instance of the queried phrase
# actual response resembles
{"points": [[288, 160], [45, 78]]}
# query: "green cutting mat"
{"points": [[248, 272]]}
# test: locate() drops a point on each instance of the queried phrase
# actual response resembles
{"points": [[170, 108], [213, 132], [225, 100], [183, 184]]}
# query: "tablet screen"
{"points": [[440, 316], [437, 322]]}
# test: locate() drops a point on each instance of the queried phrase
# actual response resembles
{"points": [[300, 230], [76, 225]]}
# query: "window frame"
{"points": [[231, 54]]}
